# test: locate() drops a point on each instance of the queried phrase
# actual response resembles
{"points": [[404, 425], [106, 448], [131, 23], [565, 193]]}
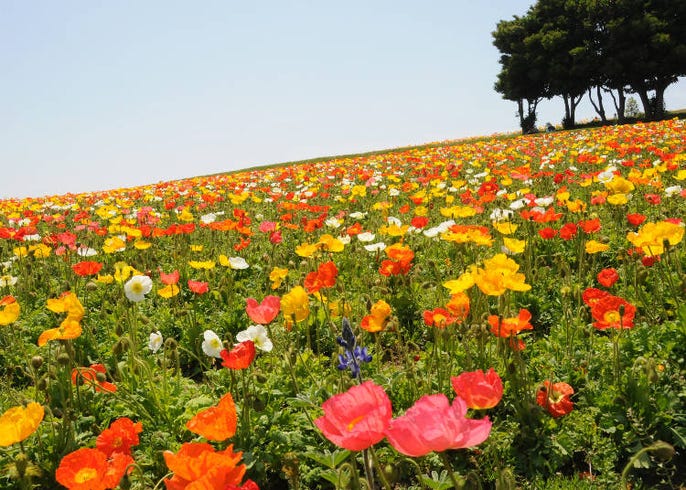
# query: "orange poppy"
{"points": [[510, 326], [199, 465], [91, 469], [438, 317], [216, 423], [89, 376]]}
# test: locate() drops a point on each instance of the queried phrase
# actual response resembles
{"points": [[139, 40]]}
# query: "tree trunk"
{"points": [[659, 108], [520, 109], [619, 103], [600, 109], [621, 107], [645, 100], [567, 118]]}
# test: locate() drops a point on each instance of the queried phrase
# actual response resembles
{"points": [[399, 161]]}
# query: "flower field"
{"points": [[502, 313]]}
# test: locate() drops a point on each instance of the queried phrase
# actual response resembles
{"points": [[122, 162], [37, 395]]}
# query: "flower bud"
{"points": [[36, 362], [63, 359]]}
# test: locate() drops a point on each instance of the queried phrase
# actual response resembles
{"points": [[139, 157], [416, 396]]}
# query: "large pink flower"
{"points": [[263, 313], [432, 424], [357, 418]]}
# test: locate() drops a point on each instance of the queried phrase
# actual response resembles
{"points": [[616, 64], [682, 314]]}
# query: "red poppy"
{"points": [[324, 277], [86, 268], [433, 424], [171, 278], [263, 313], [240, 357], [607, 277], [119, 437], [419, 221], [590, 226], [568, 231], [198, 287], [356, 419], [613, 312], [635, 219], [95, 376], [479, 390], [653, 199], [591, 296], [555, 398], [216, 423], [547, 233]]}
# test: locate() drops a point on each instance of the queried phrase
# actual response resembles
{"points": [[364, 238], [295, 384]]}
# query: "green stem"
{"points": [[449, 467]]}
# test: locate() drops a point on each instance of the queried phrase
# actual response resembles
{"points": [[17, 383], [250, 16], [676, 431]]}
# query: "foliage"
{"points": [[556, 259]]}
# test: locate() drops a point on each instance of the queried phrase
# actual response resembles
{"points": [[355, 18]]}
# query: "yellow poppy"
{"points": [[295, 304], [9, 310], [277, 276], [18, 423], [169, 291], [594, 246]]}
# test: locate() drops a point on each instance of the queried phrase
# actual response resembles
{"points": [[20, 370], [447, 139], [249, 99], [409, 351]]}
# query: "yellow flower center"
{"points": [[354, 422], [611, 316], [85, 474]]}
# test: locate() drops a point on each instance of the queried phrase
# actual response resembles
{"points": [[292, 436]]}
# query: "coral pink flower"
{"points": [[432, 424], [171, 278], [477, 389], [265, 312], [357, 418], [198, 287]]}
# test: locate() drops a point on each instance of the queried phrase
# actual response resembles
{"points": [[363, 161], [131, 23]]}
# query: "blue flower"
{"points": [[353, 355]]}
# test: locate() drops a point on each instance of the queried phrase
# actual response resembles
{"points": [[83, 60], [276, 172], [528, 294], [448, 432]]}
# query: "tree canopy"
{"points": [[568, 48]]}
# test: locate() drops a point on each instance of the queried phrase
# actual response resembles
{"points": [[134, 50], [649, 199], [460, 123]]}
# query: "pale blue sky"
{"points": [[96, 95]]}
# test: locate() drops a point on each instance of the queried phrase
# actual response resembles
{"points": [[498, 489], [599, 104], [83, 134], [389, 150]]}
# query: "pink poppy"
{"points": [[477, 389], [198, 287], [432, 424], [265, 312], [356, 419], [171, 278]]}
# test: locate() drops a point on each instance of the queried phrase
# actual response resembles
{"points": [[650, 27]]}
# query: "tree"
{"points": [[645, 47], [562, 40], [567, 48], [522, 77]]}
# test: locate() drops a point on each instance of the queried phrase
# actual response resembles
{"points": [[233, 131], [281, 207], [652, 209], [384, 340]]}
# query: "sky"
{"points": [[98, 95]]}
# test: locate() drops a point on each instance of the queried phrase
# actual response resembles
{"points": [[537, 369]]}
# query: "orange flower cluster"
{"points": [[399, 260], [103, 467]]}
